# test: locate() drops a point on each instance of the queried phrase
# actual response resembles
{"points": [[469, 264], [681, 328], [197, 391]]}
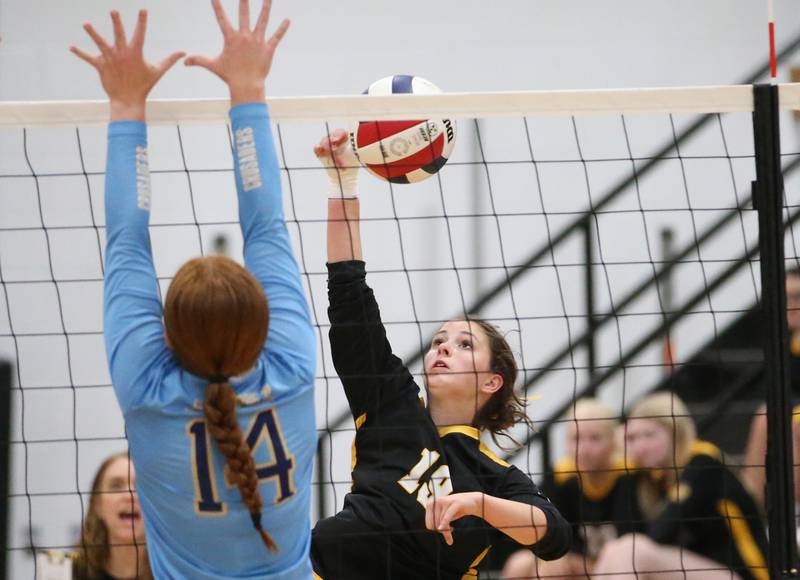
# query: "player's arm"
{"points": [[244, 63], [344, 209], [361, 352], [132, 309], [516, 507], [524, 523]]}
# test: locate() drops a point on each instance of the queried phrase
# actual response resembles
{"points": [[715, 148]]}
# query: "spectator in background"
{"points": [[112, 545], [753, 472], [592, 489], [701, 522]]}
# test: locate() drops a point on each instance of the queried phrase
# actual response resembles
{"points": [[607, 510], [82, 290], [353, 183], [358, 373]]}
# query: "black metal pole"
{"points": [[667, 294], [5, 460], [321, 499], [588, 252], [768, 198]]}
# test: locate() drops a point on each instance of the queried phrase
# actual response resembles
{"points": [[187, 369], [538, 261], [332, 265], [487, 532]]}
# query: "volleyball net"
{"points": [[598, 229]]}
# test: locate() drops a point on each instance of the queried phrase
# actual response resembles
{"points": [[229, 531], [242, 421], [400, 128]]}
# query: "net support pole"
{"points": [[768, 198], [591, 327], [322, 504], [5, 460]]}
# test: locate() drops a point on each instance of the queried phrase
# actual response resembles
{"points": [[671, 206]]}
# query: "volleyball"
{"points": [[403, 151]]}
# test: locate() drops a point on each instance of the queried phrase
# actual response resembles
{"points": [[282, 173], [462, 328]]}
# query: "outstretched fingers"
{"points": [[244, 15], [222, 19], [201, 61], [92, 60], [263, 19], [276, 38], [98, 40], [137, 40], [169, 62], [119, 30]]}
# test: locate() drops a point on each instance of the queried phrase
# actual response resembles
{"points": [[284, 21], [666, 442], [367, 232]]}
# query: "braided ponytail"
{"points": [[216, 318], [220, 412]]}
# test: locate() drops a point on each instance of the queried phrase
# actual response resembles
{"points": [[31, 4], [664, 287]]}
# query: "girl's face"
{"points": [[591, 443], [117, 505], [457, 364], [649, 444]]}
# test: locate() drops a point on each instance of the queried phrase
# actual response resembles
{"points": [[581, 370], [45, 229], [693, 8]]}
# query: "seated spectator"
{"points": [[593, 491], [112, 545], [701, 522]]}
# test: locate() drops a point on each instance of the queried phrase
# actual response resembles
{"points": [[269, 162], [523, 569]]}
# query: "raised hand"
{"points": [[126, 77], [340, 162], [246, 56]]}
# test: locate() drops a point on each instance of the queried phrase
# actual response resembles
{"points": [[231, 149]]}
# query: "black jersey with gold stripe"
{"points": [[708, 511], [598, 511], [400, 460]]}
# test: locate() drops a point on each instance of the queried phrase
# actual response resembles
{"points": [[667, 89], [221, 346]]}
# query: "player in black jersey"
{"points": [[593, 490], [428, 498], [702, 524]]}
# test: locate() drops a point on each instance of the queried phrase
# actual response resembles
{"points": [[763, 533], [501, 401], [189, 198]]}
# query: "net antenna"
{"points": [[773, 61]]}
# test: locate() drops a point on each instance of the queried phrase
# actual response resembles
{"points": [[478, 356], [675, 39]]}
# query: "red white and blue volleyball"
{"points": [[403, 151]]}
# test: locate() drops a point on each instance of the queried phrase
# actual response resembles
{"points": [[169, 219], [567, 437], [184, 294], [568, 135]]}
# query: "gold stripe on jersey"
{"points": [[705, 448], [353, 454], [316, 576], [794, 346], [473, 433], [566, 470], [746, 545], [472, 573]]}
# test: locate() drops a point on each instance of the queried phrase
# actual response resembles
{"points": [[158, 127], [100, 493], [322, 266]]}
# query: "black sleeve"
{"points": [[565, 499], [689, 500], [556, 541], [361, 353]]}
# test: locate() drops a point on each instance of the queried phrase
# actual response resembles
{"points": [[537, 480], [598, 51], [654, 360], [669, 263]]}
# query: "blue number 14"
{"points": [[264, 426]]}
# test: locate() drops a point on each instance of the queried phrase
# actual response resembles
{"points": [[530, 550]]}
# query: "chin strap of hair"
{"points": [[220, 412]]}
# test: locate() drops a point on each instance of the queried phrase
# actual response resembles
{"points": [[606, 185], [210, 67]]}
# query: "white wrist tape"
{"points": [[342, 178]]}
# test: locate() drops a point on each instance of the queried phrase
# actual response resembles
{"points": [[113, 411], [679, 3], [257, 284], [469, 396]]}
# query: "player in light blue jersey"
{"points": [[219, 396]]}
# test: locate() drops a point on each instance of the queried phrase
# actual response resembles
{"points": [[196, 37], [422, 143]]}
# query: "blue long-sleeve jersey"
{"points": [[195, 522]]}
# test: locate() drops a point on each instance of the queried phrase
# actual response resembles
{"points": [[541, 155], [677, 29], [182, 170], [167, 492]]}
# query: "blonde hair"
{"points": [[667, 409], [594, 410]]}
